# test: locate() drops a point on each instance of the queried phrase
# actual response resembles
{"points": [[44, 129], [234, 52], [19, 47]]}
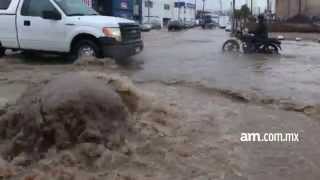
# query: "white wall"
{"points": [[185, 13], [158, 10]]}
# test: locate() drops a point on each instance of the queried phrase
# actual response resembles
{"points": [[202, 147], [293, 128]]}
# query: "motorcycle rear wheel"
{"points": [[231, 46]]}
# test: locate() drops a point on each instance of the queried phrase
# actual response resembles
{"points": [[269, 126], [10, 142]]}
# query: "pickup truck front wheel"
{"points": [[84, 49]]}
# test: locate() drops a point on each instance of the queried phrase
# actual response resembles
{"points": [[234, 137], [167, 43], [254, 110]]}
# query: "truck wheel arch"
{"points": [[84, 36]]}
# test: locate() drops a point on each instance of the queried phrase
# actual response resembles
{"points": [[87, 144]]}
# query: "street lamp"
{"points": [[149, 6], [204, 1]]}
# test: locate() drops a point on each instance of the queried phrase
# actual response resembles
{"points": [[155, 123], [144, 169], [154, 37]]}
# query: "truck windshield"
{"points": [[75, 8]]}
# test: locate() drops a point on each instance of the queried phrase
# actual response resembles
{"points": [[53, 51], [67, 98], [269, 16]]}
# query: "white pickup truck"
{"points": [[66, 27]]}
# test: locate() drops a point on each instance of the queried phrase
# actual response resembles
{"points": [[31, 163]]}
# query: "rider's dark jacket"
{"points": [[262, 31]]}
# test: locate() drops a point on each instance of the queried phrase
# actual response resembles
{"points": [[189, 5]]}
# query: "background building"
{"points": [[88, 2], [144, 11], [119, 8], [286, 9], [166, 10], [185, 10], [157, 10], [137, 10]]}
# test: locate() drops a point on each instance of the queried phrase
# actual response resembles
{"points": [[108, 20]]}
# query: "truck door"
{"points": [[37, 29], [8, 35]]}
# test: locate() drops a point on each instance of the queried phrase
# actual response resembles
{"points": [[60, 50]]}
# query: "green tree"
{"points": [[245, 12], [241, 16]]}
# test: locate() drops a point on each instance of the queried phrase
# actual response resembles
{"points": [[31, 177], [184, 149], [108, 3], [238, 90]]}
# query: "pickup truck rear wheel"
{"points": [[2, 52], [84, 49]]}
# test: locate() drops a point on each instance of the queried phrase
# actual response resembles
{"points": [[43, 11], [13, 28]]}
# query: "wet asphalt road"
{"points": [[215, 123], [195, 56]]}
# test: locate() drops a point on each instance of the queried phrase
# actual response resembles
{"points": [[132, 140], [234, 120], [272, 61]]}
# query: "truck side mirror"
{"points": [[51, 15]]}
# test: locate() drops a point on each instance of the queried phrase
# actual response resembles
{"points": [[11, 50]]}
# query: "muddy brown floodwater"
{"points": [[201, 102]]}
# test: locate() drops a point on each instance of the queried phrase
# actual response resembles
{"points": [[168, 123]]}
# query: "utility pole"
{"points": [[184, 14], [149, 4], [268, 10], [195, 9], [233, 15], [203, 5], [204, 2], [221, 12], [251, 6], [179, 8]]}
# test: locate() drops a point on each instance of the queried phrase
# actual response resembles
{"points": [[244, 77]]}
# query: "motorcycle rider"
{"points": [[261, 32], [256, 41]]}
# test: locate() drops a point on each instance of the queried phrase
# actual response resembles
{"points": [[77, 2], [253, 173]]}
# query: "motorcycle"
{"points": [[252, 44]]}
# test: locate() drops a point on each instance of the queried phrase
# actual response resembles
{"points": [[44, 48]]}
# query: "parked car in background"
{"points": [[223, 21], [175, 25], [190, 24], [228, 28], [209, 22], [155, 21], [211, 25], [146, 27], [156, 24], [197, 21]]}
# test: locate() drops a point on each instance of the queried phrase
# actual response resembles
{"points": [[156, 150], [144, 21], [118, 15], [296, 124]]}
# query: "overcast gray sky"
{"points": [[215, 4]]}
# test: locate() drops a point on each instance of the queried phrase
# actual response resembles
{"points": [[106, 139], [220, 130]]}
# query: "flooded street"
{"points": [[210, 99], [216, 124], [195, 57]]}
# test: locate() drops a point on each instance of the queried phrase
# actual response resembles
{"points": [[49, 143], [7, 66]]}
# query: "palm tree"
{"points": [[241, 16]]}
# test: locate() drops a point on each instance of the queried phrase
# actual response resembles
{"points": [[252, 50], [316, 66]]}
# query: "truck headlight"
{"points": [[112, 32]]}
